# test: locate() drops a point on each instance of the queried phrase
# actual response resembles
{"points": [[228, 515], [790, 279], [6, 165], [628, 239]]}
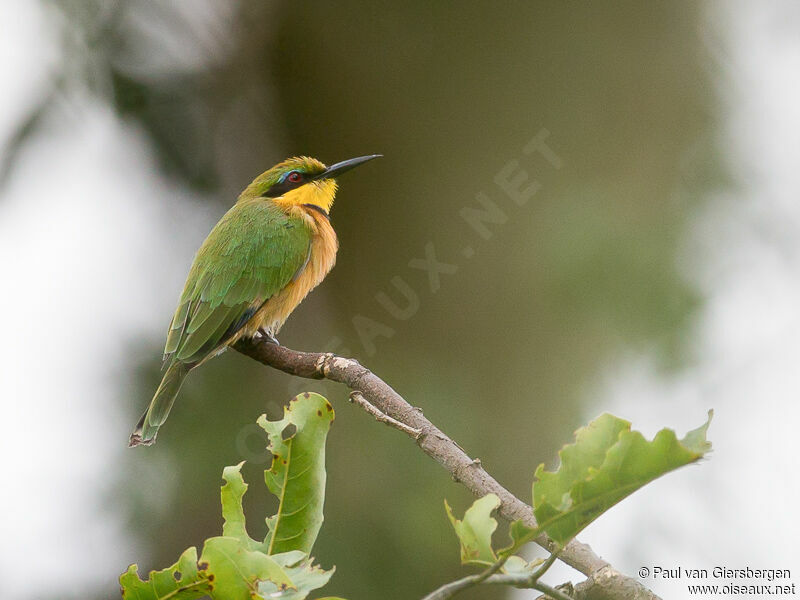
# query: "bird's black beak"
{"points": [[345, 165]]}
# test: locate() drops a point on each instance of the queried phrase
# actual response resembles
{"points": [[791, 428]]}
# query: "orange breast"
{"points": [[324, 245]]}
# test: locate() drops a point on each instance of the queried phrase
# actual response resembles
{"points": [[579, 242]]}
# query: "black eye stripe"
{"points": [[282, 187]]}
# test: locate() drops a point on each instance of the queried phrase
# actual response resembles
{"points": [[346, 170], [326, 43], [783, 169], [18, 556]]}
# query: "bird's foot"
{"points": [[268, 336]]}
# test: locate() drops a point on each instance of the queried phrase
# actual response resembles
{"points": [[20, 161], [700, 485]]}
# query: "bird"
{"points": [[272, 247]]}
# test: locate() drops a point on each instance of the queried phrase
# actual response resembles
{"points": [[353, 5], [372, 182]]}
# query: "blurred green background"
{"points": [[505, 354]]}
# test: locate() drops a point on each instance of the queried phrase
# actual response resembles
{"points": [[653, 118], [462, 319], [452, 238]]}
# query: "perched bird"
{"points": [[264, 256]]}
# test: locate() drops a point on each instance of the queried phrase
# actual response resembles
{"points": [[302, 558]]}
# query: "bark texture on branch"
{"points": [[437, 445]]}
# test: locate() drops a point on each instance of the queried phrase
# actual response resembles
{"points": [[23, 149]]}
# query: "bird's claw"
{"points": [[268, 336]]}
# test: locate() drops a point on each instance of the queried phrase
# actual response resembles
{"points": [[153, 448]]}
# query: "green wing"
{"points": [[250, 255]]}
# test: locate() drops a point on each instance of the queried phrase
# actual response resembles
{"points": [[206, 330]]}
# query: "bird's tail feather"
{"points": [[146, 429]]}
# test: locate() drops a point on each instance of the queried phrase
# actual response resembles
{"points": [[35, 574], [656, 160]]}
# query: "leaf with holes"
{"points": [[181, 581], [227, 570], [297, 473], [236, 567]]}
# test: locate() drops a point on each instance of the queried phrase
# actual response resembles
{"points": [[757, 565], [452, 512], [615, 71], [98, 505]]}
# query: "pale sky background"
{"points": [[739, 508], [85, 261]]}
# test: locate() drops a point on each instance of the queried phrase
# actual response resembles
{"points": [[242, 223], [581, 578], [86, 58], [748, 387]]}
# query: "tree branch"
{"points": [[432, 441]]}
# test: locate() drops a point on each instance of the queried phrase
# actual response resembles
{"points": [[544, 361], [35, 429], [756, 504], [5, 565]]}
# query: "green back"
{"points": [[251, 254]]}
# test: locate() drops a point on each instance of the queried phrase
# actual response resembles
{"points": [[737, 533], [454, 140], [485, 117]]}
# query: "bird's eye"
{"points": [[294, 177]]}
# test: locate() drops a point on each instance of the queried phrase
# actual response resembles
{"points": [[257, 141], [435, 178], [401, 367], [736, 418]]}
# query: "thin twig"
{"points": [[358, 398], [432, 441], [518, 581], [551, 592], [537, 574], [481, 577], [449, 590]]}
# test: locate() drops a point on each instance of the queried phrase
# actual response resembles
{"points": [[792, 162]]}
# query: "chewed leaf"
{"points": [[607, 463], [516, 565], [181, 581], [232, 512], [227, 570], [236, 567], [306, 577], [475, 531], [297, 473], [589, 451]]}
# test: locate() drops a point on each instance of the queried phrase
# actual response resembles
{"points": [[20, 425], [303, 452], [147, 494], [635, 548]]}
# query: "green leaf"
{"points": [[227, 570], [237, 571], [232, 511], [181, 581], [607, 463], [306, 577], [475, 531], [289, 559], [516, 565], [236, 567], [297, 473], [519, 533]]}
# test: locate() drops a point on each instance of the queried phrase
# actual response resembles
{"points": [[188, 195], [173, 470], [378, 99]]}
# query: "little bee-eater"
{"points": [[272, 248]]}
